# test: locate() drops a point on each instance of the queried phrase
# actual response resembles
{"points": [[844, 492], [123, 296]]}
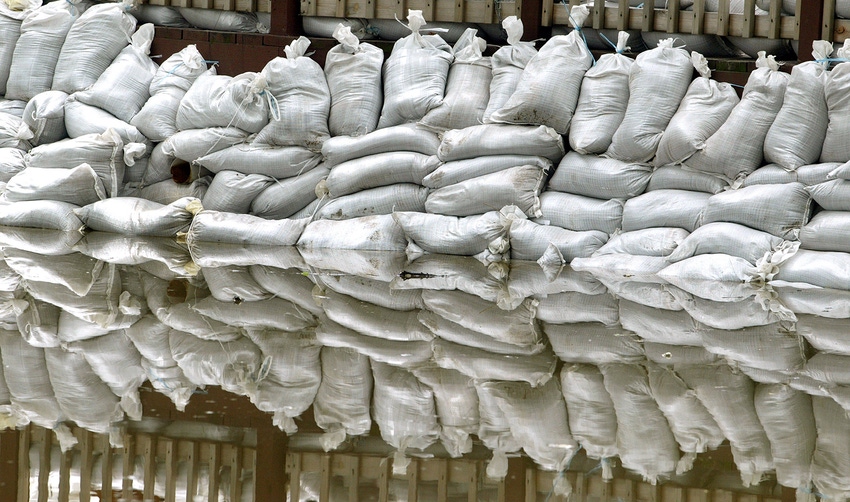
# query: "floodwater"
{"points": [[225, 372]]}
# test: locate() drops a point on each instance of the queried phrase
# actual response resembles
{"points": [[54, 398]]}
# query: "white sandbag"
{"points": [[395, 353], [593, 421], [549, 87], [375, 201], [224, 101], [824, 231], [353, 73], [457, 405], [28, 381], [188, 146], [519, 186], [378, 170], [580, 213], [78, 186], [301, 97], [129, 250], [38, 322], [130, 216], [571, 307], [124, 86], [550, 445], [160, 15], [452, 235], [677, 178], [789, 423], [777, 209], [289, 284], [602, 102], [103, 152], [599, 177], [81, 394], [42, 241], [14, 132], [704, 108], [508, 63], [402, 138], [157, 118], [272, 313], [234, 284], [831, 195], [645, 293], [45, 116], [45, 214], [658, 81], [665, 208], [216, 20], [414, 75], [366, 233], [455, 333], [43, 33], [834, 147], [450, 273], [657, 241], [344, 396], [824, 334], [529, 241], [10, 31], [467, 87], [727, 315], [372, 320], [494, 431], [233, 192], [82, 119], [501, 139], [373, 291], [404, 410], [808, 175], [231, 365], [829, 461], [11, 162], [380, 265], [285, 197], [620, 266], [645, 442], [798, 132], [74, 271], [216, 226], [828, 368], [729, 397], [693, 427], [726, 238], [534, 370], [167, 191], [671, 355], [718, 277], [771, 347], [526, 279], [594, 343], [450, 173], [92, 43], [736, 149], [660, 326], [250, 158]]}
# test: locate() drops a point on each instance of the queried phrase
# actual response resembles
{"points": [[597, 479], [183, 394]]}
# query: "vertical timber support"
{"points": [[811, 21], [286, 18]]}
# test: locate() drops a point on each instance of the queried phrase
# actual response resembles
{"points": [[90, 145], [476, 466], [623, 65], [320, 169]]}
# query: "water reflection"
{"points": [[437, 356]]}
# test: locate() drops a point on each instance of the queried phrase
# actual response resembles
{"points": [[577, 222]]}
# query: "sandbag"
{"points": [[777, 209], [450, 273], [372, 320], [665, 208], [457, 407], [45, 116], [593, 343], [233, 192], [373, 291], [824, 231], [599, 177], [678, 178], [657, 241], [78, 186], [580, 213], [82, 119], [373, 201], [344, 395], [378, 170], [28, 381], [519, 186], [272, 313], [818, 268], [251, 158], [224, 101], [658, 81], [452, 235], [353, 73], [771, 347], [534, 370], [395, 353], [835, 149], [414, 75], [622, 267], [498, 139], [789, 423], [450, 173], [529, 241], [216, 226], [669, 327], [717, 277], [829, 460], [455, 333], [285, 197], [45, 214], [365, 233], [831, 195], [572, 307], [14, 132], [548, 89], [132, 216], [216, 20], [11, 162], [726, 238], [10, 31], [91, 45], [167, 191], [602, 102], [824, 334], [508, 63], [704, 108], [593, 421], [402, 138], [302, 98]]}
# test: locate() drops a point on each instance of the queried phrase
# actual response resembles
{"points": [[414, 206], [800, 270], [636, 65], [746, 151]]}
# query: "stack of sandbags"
{"points": [[11, 16]]}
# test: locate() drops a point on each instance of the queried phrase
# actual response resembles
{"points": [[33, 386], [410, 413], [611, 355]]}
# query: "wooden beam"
{"points": [[236, 473], [749, 18], [286, 18], [413, 480], [129, 465], [515, 480], [193, 462], [106, 469], [698, 9], [270, 465], [353, 478], [214, 462], [9, 445], [44, 451], [149, 444], [384, 481], [23, 466], [86, 464], [531, 12], [170, 469]]}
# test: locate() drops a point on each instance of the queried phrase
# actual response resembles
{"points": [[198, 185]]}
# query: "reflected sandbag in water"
{"points": [[593, 420], [529, 241], [374, 233], [645, 442], [772, 347], [33, 398], [217, 226], [382, 266], [233, 365], [372, 320], [466, 236], [450, 273], [74, 271], [234, 284], [527, 278], [372, 291], [654, 241], [272, 313], [456, 401], [650, 294], [716, 277], [395, 353], [660, 326], [215, 254], [725, 315], [594, 343], [342, 405], [671, 355], [78, 186], [480, 364], [135, 250], [41, 214], [572, 307], [290, 283], [619, 267], [458, 334], [729, 397]]}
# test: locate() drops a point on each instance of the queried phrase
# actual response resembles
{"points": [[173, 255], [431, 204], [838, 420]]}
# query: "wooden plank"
{"points": [[472, 494], [148, 445], [548, 12], [530, 483], [774, 14], [214, 463], [828, 27], [413, 480], [672, 17], [598, 14], [246, 5], [384, 481], [236, 473], [224, 4], [580, 487], [623, 15], [458, 17], [699, 17], [10, 440], [193, 464], [293, 462], [648, 16], [202, 4], [443, 479], [86, 463], [170, 470], [270, 464], [749, 18], [107, 465], [430, 10], [723, 18], [353, 478], [24, 465], [401, 9], [64, 494], [44, 449], [341, 8], [325, 485]]}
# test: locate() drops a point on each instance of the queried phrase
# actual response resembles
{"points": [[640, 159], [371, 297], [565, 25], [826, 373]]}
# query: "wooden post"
{"points": [[515, 480], [286, 18], [271, 465], [531, 13], [813, 15], [9, 445]]}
